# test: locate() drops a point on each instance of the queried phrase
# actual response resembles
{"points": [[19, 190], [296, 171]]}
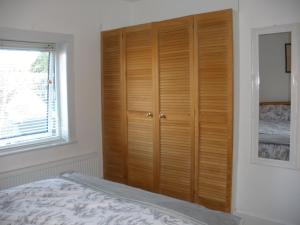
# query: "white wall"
{"points": [[275, 83], [83, 19], [269, 192], [155, 10]]}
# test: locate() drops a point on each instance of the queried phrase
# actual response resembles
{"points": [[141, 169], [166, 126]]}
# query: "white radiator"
{"points": [[87, 164]]}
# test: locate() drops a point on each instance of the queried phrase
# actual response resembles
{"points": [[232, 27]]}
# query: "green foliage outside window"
{"points": [[41, 63]]}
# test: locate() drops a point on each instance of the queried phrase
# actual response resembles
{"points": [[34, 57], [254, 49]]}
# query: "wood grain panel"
{"points": [[140, 151], [214, 155], [138, 67], [113, 146], [176, 159], [175, 56]]}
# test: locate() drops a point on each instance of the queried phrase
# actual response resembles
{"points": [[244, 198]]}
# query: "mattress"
{"points": [[77, 199]]}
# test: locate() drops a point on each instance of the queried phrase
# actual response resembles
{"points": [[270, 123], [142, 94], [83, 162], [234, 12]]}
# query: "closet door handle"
{"points": [[149, 115], [162, 116]]}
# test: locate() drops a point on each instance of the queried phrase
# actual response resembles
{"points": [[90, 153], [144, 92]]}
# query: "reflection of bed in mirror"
{"points": [[274, 130]]}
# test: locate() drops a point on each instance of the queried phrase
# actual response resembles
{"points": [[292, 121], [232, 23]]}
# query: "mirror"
{"points": [[274, 94]]}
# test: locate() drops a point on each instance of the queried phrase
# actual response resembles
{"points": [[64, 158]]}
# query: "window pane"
{"points": [[27, 100]]}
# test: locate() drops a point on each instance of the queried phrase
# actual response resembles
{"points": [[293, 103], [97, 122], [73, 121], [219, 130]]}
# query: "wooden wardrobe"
{"points": [[167, 90]]}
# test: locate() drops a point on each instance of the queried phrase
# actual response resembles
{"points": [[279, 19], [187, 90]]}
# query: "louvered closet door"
{"points": [[138, 69], [214, 155], [113, 142], [175, 56]]}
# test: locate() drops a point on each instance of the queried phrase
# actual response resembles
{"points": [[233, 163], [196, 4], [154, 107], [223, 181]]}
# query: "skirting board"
{"points": [[86, 164], [248, 219]]}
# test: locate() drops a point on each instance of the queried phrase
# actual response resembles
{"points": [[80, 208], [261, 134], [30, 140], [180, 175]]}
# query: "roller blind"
{"points": [[25, 45], [28, 92]]}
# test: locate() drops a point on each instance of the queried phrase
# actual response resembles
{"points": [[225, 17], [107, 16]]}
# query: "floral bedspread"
{"points": [[62, 202], [274, 132]]}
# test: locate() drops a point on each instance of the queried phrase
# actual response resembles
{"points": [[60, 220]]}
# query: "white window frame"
{"points": [[294, 159], [65, 86]]}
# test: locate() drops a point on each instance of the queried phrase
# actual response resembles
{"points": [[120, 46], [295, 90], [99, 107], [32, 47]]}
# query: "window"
{"points": [[35, 90], [28, 94]]}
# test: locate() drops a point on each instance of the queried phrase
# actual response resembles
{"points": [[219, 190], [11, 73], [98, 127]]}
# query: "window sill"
{"points": [[31, 147]]}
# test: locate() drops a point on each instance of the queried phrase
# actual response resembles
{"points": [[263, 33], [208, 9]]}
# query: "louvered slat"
{"points": [[140, 152], [138, 64], [113, 148], [214, 41], [175, 47]]}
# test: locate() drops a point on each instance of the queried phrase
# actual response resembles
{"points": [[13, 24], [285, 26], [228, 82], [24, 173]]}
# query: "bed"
{"points": [[274, 130], [77, 199]]}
